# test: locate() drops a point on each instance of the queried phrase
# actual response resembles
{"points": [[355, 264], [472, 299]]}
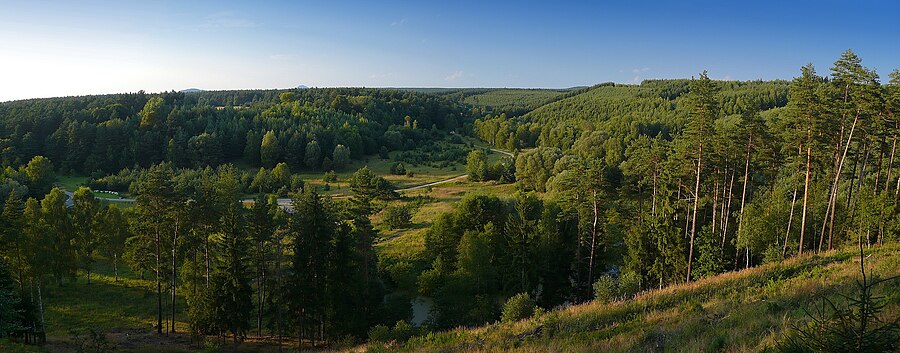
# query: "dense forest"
{"points": [[316, 129], [618, 189]]}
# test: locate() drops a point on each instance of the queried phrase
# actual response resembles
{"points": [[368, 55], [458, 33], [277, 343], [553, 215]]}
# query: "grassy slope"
{"points": [[743, 311]]}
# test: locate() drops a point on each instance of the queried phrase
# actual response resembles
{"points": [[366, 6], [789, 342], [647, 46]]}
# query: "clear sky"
{"points": [[58, 48]]}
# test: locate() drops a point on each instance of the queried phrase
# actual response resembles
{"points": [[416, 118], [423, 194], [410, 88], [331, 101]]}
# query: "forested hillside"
{"points": [[311, 129], [588, 194]]}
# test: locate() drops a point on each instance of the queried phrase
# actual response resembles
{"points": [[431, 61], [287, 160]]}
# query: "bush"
{"points": [[398, 169], [519, 307], [852, 323], [629, 284], [329, 177], [397, 216], [380, 333], [605, 289], [403, 330]]}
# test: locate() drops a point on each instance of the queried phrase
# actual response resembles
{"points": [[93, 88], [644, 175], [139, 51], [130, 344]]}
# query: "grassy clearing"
{"points": [[408, 244], [104, 304], [70, 182], [745, 311]]}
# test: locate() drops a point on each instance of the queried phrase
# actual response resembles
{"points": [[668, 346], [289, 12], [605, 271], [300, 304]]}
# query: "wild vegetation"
{"points": [[635, 202]]}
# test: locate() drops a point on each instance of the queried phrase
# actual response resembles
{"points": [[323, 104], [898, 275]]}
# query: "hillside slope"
{"points": [[744, 311]]}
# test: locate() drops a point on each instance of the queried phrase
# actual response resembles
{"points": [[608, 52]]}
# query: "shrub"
{"points": [[397, 216], [398, 169], [329, 177], [519, 307], [403, 330], [629, 284], [605, 289], [850, 324], [380, 333]]}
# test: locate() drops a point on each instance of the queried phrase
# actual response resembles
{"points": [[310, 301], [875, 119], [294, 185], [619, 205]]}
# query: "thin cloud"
{"points": [[226, 19], [381, 76], [401, 22], [454, 76], [638, 77]]}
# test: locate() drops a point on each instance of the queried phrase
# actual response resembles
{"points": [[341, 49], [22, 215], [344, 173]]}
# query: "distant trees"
{"points": [[269, 150], [105, 134], [340, 157], [476, 165]]}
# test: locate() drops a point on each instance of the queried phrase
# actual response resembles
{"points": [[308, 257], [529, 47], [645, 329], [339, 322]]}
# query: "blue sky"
{"points": [[56, 48]]}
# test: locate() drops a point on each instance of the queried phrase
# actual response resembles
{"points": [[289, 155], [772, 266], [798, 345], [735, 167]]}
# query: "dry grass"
{"points": [[744, 311]]}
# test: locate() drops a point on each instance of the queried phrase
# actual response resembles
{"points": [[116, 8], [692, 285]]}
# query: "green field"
{"points": [[70, 182]]}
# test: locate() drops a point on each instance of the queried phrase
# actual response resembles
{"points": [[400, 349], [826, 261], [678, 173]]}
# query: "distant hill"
{"points": [[192, 90], [302, 87]]}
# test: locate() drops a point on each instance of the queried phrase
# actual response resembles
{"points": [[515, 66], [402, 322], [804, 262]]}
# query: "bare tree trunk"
{"points": [[878, 164], [715, 204], [806, 187], [174, 272], [787, 234], [887, 180], [743, 197], [694, 216], [655, 177], [159, 310], [593, 241], [278, 285], [206, 255], [727, 210], [832, 195], [41, 309]]}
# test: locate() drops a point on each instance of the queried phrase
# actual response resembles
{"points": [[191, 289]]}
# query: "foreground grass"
{"points": [[745, 311], [7, 346]]}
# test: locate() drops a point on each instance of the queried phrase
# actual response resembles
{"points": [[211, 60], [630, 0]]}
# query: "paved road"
{"points": [[456, 178], [503, 152], [286, 202]]}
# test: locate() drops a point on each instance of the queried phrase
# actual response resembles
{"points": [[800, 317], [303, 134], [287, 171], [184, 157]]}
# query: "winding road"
{"points": [[282, 202], [286, 202]]}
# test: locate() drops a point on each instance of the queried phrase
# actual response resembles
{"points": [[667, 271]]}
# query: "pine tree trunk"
{"points": [[116, 265], [206, 256], [878, 164], [174, 272], [694, 216], [715, 204], [887, 180], [41, 308], [787, 234], [832, 198], [159, 310], [593, 242], [743, 197], [806, 188], [655, 177], [727, 209]]}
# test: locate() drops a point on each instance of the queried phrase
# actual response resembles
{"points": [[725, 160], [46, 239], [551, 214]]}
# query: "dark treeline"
{"points": [[317, 129]]}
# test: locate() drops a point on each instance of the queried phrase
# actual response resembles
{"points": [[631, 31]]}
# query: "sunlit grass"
{"points": [[744, 311]]}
